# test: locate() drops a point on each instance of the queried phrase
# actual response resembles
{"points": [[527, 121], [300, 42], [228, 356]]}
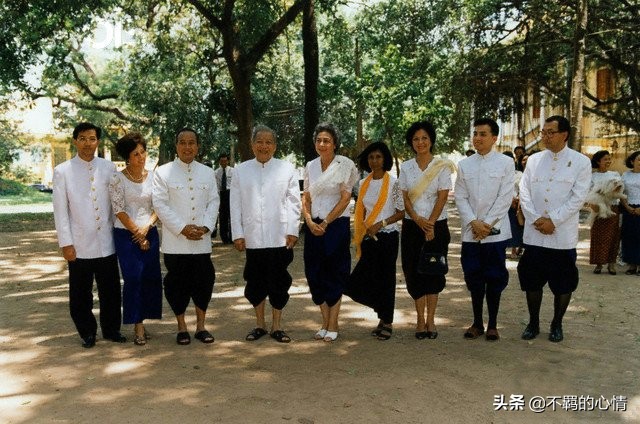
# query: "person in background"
{"points": [[469, 152], [425, 182], [518, 152], [630, 231], [380, 206], [84, 223], [186, 200], [483, 193], [136, 237], [553, 189], [328, 184], [224, 177], [605, 232], [265, 215]]}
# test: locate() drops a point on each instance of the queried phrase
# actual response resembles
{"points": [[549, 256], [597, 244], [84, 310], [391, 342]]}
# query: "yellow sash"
{"points": [[428, 175], [360, 225]]}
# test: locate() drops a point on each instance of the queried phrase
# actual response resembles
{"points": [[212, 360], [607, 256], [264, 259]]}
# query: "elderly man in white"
{"points": [[84, 223], [186, 200], [483, 192], [553, 188], [265, 214]]}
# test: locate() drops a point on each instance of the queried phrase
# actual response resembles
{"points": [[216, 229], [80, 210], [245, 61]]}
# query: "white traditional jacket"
{"points": [[265, 203], [185, 194], [555, 186], [82, 208], [484, 190]]}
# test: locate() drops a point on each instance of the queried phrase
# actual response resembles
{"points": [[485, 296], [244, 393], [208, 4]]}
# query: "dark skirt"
{"points": [[630, 236], [605, 239], [412, 241], [142, 290], [327, 261], [373, 280]]}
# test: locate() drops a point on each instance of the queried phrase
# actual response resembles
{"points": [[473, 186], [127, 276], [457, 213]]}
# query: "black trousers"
{"points": [[224, 220], [81, 274]]}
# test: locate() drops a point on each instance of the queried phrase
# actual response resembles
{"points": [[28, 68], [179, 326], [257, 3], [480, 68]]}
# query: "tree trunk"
{"points": [[244, 114], [577, 77], [311, 77]]}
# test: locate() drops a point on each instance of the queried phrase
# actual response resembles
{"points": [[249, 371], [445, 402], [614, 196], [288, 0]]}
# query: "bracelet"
{"points": [[326, 224], [384, 223]]}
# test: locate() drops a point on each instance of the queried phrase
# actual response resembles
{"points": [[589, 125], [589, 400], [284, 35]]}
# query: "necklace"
{"points": [[132, 178]]}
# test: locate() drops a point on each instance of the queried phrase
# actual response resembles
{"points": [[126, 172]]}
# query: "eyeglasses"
{"points": [[547, 133], [89, 140]]}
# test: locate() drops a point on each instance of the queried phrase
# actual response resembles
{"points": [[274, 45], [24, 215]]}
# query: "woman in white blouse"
{"points": [[425, 182], [136, 237], [328, 182], [379, 207], [630, 231], [605, 232]]}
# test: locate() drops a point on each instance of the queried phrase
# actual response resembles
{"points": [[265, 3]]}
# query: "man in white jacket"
{"points": [[84, 224], [483, 193], [186, 200], [265, 214], [553, 188]]}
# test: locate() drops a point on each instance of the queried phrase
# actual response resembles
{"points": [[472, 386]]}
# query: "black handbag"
{"points": [[432, 263]]}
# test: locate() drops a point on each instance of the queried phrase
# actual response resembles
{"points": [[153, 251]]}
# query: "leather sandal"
{"points": [[255, 334]]}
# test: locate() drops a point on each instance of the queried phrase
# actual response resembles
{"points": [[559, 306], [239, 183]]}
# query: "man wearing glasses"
{"points": [[84, 224], [553, 188]]}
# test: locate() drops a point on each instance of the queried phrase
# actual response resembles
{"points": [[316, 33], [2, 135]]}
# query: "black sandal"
{"points": [[376, 332], [280, 336], [385, 333], [204, 336], [255, 334], [183, 338]]}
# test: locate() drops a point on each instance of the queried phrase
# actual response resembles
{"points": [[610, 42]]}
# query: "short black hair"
{"points": [[597, 157], [85, 126], [128, 143], [632, 157], [508, 153], [563, 124], [331, 129], [519, 148], [363, 161], [187, 129], [495, 129], [223, 155], [421, 125], [470, 152]]}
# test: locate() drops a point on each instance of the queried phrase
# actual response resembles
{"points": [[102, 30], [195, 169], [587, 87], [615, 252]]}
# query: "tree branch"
{"points": [[254, 55], [208, 13]]}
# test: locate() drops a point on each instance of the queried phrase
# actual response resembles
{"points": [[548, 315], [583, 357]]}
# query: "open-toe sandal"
{"points": [[183, 338], [255, 334], [204, 336], [280, 336], [385, 333]]}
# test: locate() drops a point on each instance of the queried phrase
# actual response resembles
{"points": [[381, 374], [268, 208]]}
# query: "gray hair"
{"points": [[262, 128]]}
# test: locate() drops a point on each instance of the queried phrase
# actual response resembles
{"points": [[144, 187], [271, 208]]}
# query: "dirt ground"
{"points": [[47, 377]]}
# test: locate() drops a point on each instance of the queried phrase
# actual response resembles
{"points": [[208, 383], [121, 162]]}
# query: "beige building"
{"points": [[598, 133]]}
